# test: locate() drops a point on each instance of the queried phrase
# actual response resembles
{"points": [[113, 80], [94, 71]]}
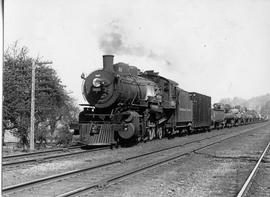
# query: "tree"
{"points": [[265, 110], [53, 103]]}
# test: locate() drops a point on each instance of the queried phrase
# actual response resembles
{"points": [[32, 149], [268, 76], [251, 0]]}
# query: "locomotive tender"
{"points": [[125, 104]]}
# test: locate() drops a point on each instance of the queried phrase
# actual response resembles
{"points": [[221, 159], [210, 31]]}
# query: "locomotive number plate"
{"points": [[96, 89]]}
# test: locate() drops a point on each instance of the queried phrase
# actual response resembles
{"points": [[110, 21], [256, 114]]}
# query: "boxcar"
{"points": [[201, 105], [182, 116]]}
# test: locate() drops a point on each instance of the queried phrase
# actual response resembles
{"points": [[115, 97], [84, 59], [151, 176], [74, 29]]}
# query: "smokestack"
{"points": [[108, 62]]}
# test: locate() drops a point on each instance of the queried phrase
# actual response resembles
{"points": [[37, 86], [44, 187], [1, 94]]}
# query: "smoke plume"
{"points": [[115, 42]]}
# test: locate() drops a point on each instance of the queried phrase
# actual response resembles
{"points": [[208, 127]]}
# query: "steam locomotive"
{"points": [[125, 104]]}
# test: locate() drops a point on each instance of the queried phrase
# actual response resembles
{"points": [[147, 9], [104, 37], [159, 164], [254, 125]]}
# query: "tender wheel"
{"points": [[159, 133], [151, 133], [148, 135], [189, 131]]}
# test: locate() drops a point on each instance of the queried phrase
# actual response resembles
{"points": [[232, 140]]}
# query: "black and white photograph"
{"points": [[145, 98]]}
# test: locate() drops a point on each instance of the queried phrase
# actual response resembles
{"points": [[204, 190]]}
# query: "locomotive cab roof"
{"points": [[156, 74]]}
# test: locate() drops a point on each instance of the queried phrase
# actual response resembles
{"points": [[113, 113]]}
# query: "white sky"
{"points": [[219, 48]]}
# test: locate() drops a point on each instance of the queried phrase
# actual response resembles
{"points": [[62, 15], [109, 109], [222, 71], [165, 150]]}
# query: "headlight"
{"points": [[96, 82]]}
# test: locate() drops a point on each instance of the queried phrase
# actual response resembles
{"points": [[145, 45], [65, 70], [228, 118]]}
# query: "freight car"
{"points": [[125, 104], [201, 111], [218, 116]]}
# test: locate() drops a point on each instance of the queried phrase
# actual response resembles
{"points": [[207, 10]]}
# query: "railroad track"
{"points": [[39, 155], [245, 188], [39, 152], [203, 143]]}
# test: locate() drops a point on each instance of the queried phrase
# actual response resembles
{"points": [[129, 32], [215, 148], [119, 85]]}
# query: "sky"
{"points": [[218, 48]]}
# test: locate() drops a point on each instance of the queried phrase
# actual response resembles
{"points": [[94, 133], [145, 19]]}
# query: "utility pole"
{"points": [[32, 124], [32, 127]]}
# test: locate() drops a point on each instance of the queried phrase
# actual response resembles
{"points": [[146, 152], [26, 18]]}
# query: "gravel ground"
{"points": [[217, 171], [17, 174], [179, 178], [45, 169]]}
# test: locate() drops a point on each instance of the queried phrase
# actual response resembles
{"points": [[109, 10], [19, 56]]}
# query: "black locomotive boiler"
{"points": [[125, 104]]}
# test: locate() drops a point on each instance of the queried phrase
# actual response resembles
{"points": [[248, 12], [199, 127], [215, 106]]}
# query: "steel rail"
{"points": [[248, 181], [50, 157], [54, 177], [40, 152]]}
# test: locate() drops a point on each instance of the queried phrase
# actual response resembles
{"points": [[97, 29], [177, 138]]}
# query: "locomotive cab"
{"points": [[166, 89]]}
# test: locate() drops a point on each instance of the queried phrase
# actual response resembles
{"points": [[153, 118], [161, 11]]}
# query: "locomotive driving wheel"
{"points": [[159, 133]]}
